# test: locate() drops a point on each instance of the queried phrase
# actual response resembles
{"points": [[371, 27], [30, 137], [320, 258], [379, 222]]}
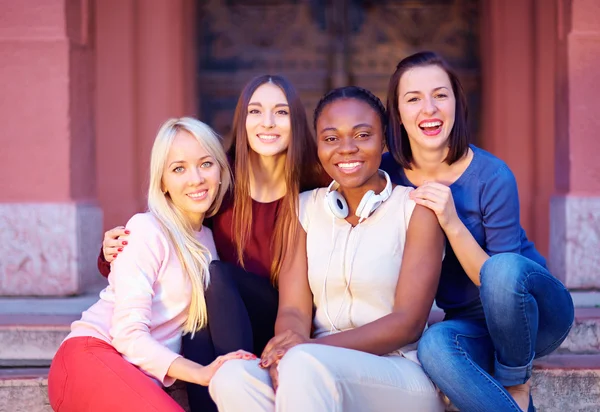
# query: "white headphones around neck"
{"points": [[370, 201]]}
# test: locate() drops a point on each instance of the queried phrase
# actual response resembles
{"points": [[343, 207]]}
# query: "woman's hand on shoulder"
{"points": [[114, 241], [438, 198]]}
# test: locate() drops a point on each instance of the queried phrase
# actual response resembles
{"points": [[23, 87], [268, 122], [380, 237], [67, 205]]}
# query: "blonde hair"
{"points": [[194, 256]]}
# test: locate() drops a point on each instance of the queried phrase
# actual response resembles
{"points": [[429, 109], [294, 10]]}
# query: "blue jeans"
{"points": [[528, 314]]}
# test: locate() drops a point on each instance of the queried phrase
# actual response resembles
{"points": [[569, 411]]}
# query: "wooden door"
{"points": [[323, 44]]}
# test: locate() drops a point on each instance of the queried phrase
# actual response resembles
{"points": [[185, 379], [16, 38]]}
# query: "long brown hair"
{"points": [[303, 171]]}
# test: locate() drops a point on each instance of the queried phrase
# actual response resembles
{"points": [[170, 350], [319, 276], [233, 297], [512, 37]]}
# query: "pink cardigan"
{"points": [[142, 311]]}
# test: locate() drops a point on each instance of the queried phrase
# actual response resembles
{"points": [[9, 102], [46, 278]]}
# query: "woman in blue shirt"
{"points": [[502, 306]]}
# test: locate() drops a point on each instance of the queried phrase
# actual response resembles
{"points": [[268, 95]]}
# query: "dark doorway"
{"points": [[323, 44]]}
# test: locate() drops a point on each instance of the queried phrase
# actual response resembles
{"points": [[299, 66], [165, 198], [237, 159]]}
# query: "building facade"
{"points": [[85, 85]]}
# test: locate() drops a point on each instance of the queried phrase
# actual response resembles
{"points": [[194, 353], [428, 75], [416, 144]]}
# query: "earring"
{"points": [[220, 182]]}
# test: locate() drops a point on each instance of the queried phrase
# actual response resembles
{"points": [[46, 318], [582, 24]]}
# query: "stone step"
{"points": [[585, 333], [31, 329], [561, 383], [31, 340], [24, 390], [567, 382]]}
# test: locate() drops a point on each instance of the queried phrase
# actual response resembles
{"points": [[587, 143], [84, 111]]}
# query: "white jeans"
{"points": [[326, 379]]}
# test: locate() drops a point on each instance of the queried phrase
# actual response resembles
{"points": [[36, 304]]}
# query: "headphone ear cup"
{"points": [[337, 204], [365, 205]]}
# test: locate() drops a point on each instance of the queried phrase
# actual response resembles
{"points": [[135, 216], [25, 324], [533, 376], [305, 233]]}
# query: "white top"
{"points": [[353, 271], [142, 311]]}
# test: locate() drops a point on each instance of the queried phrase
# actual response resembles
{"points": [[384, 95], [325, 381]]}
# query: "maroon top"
{"points": [[257, 253]]}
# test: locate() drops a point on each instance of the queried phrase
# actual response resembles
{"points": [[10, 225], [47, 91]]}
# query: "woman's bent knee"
{"points": [[228, 378], [434, 343], [502, 270], [301, 361]]}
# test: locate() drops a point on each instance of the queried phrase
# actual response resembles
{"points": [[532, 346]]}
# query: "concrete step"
{"points": [[585, 333], [31, 340], [561, 383], [31, 329], [567, 382], [24, 390]]}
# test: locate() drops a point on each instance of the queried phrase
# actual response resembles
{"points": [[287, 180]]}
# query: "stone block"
{"points": [[575, 240], [48, 249]]}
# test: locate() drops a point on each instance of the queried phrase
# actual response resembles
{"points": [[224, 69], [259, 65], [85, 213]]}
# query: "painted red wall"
{"points": [[145, 73], [45, 102], [518, 105]]}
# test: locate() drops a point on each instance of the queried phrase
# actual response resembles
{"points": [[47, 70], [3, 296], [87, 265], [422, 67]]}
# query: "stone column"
{"points": [[50, 223], [575, 207]]}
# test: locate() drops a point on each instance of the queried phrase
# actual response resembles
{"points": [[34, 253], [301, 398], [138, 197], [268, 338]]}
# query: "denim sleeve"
{"points": [[500, 208]]}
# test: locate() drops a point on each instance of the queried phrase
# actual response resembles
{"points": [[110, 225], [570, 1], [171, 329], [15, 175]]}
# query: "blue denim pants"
{"points": [[528, 314]]}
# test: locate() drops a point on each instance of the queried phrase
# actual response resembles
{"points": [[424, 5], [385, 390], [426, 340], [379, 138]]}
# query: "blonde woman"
{"points": [[274, 157], [126, 346]]}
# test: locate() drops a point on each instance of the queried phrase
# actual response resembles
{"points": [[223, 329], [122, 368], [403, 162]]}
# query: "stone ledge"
{"points": [[569, 362]]}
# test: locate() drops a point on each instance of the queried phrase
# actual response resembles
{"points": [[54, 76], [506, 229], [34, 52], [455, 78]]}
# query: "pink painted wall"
{"points": [[45, 103], [48, 210], [518, 61], [145, 73], [581, 156], [141, 59], [575, 207], [578, 83]]}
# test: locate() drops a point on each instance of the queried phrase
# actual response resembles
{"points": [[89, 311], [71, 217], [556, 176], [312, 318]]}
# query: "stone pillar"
{"points": [[575, 207], [50, 223]]}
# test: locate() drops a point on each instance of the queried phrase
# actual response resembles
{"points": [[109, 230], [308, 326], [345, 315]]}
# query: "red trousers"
{"points": [[88, 374]]}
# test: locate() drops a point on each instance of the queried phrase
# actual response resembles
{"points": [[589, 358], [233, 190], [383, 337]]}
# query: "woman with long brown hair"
{"points": [[273, 157]]}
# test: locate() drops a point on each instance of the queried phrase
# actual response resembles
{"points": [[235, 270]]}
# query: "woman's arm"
{"points": [[114, 242], [295, 297], [133, 279], [103, 265], [500, 216], [188, 371], [468, 252], [294, 315], [415, 291]]}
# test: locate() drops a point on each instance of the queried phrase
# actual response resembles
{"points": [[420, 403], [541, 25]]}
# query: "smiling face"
{"points": [[191, 177], [268, 123], [427, 107], [350, 143]]}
